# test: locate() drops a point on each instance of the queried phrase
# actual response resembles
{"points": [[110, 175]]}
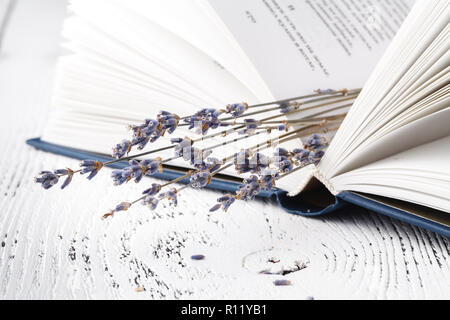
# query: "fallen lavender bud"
{"points": [[282, 283], [198, 257]]}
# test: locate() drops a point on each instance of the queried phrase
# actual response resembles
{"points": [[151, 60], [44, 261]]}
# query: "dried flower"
{"points": [[123, 206], [150, 202], [249, 189], [242, 161], [137, 170], [90, 166], [197, 257], [168, 121], [264, 170], [236, 109], [153, 190], [258, 162], [204, 120], [316, 142], [224, 202], [268, 178], [211, 165], [121, 149], [282, 283], [285, 108], [250, 126], [170, 195], [65, 172], [301, 156], [47, 179], [200, 179]]}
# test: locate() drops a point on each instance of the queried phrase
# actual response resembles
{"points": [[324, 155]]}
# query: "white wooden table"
{"points": [[54, 245]]}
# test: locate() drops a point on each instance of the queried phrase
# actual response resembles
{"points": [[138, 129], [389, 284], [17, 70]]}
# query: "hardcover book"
{"points": [[391, 153]]}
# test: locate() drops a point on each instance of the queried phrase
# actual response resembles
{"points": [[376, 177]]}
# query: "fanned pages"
{"points": [[394, 141], [130, 59]]}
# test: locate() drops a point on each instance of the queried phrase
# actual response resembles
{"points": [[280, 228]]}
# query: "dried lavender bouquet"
{"points": [[259, 170]]}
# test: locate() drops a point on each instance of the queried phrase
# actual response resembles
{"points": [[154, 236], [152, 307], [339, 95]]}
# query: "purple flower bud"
{"points": [[47, 179], [224, 202], [153, 190], [315, 142], [236, 109], [285, 108], [200, 179], [121, 149], [150, 202], [90, 166], [170, 195]]}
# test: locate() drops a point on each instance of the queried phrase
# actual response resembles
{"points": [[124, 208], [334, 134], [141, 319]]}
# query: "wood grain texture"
{"points": [[54, 244]]}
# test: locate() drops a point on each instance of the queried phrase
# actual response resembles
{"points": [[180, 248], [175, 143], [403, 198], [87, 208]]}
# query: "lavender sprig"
{"points": [[264, 170]]}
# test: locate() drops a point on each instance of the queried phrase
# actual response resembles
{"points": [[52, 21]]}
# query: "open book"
{"points": [[132, 58]]}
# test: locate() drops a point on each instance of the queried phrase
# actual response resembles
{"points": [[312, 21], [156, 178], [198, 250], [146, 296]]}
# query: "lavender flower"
{"points": [[224, 202], [145, 129], [250, 126], [121, 149], [301, 156], [151, 130], [324, 91], [204, 120], [285, 108], [284, 164], [90, 166], [316, 142], [137, 170], [236, 109], [211, 165], [193, 155], [258, 162], [47, 179], [316, 156], [65, 172], [242, 161], [170, 195], [153, 190], [150, 202], [200, 179], [123, 206], [268, 178], [182, 144], [168, 121], [249, 189]]}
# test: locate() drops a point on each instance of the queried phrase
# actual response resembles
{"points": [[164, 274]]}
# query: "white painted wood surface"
{"points": [[54, 245]]}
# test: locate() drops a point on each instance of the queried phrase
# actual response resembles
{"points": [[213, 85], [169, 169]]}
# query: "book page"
{"points": [[300, 46]]}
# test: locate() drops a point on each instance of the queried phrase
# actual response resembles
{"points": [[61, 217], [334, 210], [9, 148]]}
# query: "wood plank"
{"points": [[53, 243]]}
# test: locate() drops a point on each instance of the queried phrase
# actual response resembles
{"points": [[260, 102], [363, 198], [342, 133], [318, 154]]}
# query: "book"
{"points": [[129, 59]]}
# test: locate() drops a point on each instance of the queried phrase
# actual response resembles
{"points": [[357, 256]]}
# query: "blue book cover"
{"points": [[313, 203]]}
